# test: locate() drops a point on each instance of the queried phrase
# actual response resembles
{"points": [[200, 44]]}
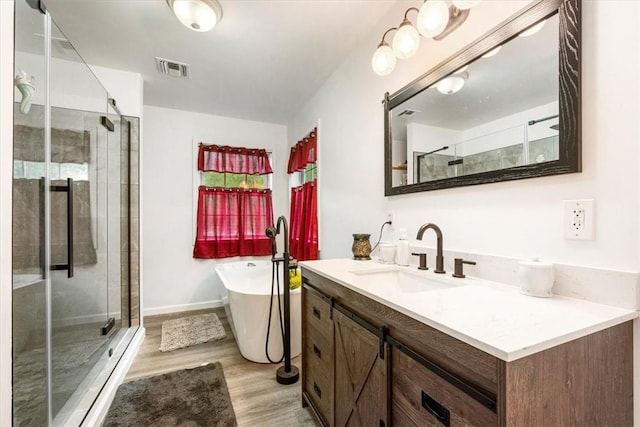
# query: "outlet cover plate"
{"points": [[579, 219], [391, 217]]}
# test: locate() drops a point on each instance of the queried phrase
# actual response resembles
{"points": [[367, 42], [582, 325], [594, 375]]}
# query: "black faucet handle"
{"points": [[423, 260], [458, 264]]}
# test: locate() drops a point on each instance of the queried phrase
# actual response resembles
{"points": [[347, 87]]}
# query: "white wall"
{"points": [[509, 130], [76, 87], [174, 280], [123, 86], [514, 219], [6, 166], [489, 218]]}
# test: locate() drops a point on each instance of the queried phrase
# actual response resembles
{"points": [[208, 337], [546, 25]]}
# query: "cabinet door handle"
{"points": [[316, 312], [436, 409], [317, 351], [317, 390]]}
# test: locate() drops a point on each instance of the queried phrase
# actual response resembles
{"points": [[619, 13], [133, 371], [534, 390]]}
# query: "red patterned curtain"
{"points": [[304, 152], [231, 222], [303, 239], [250, 161]]}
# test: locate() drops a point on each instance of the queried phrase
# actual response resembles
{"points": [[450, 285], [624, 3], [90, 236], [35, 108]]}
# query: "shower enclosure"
{"points": [[75, 259]]}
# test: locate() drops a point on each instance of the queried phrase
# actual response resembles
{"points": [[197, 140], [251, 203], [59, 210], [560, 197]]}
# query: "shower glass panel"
{"points": [[72, 260], [30, 201], [79, 157]]}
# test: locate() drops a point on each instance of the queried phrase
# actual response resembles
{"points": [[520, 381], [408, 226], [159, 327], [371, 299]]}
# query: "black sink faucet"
{"points": [[439, 257]]}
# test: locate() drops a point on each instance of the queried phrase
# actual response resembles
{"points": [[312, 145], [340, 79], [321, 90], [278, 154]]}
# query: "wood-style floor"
{"points": [[258, 400]]}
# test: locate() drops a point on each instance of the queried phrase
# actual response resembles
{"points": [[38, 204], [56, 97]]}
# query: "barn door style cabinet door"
{"points": [[361, 371], [367, 365]]}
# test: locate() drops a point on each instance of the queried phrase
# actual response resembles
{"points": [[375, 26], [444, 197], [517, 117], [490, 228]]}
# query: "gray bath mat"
{"points": [[192, 330], [191, 397]]}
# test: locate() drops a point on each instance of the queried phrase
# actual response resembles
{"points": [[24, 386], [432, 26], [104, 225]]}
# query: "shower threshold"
{"points": [[91, 391]]}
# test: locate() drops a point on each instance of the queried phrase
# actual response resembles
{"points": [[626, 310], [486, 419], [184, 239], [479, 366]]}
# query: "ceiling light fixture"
{"points": [[452, 84], [435, 20], [197, 15]]}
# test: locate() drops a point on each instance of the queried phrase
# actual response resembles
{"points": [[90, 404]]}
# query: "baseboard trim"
{"points": [[99, 411], [152, 311]]}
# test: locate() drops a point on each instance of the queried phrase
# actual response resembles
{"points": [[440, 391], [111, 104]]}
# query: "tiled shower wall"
{"points": [[130, 220], [436, 166]]}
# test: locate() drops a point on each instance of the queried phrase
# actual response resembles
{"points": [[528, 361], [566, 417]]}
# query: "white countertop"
{"points": [[493, 317]]}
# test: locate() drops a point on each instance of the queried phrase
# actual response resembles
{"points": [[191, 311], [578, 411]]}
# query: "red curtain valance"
{"points": [[232, 222], [304, 152], [250, 161]]}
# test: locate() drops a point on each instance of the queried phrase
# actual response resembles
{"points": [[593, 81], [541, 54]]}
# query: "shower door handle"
{"points": [[69, 190]]}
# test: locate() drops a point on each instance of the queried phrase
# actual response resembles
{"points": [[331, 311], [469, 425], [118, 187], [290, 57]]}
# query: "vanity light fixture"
{"points": [[384, 60], [197, 15], [435, 20], [406, 40], [452, 84]]}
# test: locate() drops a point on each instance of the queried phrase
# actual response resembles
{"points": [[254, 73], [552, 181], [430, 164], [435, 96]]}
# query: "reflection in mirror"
{"points": [[502, 112], [505, 107]]}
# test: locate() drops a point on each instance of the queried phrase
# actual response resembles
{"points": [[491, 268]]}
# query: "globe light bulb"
{"points": [[433, 18], [406, 41], [384, 60]]}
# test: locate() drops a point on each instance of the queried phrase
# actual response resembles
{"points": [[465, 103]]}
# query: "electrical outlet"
{"points": [[579, 219], [391, 217]]}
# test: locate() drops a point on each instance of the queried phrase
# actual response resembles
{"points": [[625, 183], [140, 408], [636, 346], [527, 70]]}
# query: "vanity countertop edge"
{"points": [[493, 317]]}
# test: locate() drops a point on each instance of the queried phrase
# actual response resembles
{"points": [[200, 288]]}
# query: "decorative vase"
{"points": [[361, 247]]}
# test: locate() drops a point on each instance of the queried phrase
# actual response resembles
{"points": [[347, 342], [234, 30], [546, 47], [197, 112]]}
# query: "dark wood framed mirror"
{"points": [[479, 118]]}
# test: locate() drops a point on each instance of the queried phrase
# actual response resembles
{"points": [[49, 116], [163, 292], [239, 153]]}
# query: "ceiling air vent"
{"points": [[407, 113], [173, 68]]}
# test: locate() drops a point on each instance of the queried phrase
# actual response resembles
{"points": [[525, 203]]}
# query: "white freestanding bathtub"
{"points": [[248, 291]]}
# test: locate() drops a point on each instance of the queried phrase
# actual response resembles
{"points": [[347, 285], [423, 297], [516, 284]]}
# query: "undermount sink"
{"points": [[396, 281]]}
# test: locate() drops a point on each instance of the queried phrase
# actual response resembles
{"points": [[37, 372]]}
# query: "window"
{"points": [[234, 202], [304, 198]]}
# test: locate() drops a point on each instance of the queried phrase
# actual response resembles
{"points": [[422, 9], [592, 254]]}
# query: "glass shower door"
{"points": [[30, 203], [72, 261], [79, 250]]}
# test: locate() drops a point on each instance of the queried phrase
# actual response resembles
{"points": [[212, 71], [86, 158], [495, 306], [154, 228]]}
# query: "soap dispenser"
{"points": [[402, 253]]}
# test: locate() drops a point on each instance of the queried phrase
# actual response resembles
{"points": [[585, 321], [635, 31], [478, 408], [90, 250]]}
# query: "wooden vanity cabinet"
{"points": [[317, 357], [365, 364]]}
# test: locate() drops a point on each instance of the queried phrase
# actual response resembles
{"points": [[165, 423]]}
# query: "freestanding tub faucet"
{"points": [[439, 257]]}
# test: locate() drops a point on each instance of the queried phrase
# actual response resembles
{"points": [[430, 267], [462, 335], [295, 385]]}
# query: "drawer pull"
{"points": [[317, 390], [436, 409], [316, 313], [317, 351]]}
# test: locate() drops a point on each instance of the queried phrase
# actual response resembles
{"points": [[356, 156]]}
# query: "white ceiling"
{"points": [[262, 62], [523, 75]]}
